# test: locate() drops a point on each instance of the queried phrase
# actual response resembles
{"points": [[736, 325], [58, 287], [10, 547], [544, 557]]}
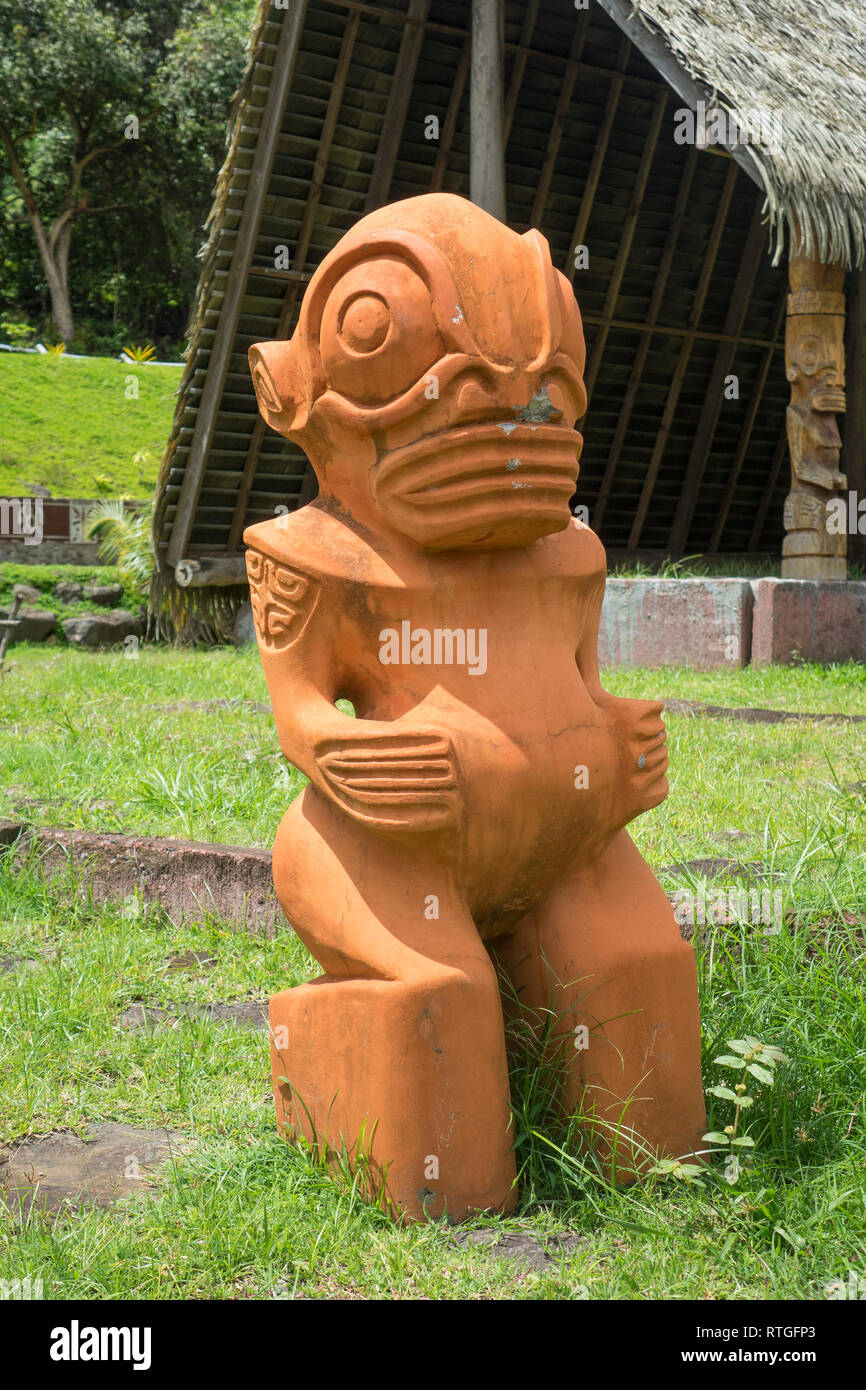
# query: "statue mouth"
{"points": [[831, 400], [518, 464]]}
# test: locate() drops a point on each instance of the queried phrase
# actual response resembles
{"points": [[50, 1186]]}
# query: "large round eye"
{"points": [[378, 334], [364, 323]]}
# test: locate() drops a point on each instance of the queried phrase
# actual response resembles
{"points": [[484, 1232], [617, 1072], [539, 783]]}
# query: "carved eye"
{"points": [[364, 323], [378, 334], [810, 351]]}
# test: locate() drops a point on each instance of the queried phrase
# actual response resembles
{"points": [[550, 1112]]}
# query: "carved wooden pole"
{"points": [[815, 544], [854, 443], [487, 107]]}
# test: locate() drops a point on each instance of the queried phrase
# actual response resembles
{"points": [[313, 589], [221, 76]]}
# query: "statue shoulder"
{"points": [[577, 552], [308, 540], [319, 545]]}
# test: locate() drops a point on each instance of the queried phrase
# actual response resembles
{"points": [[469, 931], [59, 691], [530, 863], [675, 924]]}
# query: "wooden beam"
{"points": [[636, 376], [772, 478], [597, 161], [725, 354], [398, 104], [652, 44], [683, 361], [305, 233], [554, 140], [487, 110], [244, 249], [519, 67], [625, 240], [547, 57], [206, 571], [446, 135], [695, 335], [748, 425]]}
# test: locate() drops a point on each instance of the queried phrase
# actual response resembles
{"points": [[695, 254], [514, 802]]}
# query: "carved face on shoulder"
{"points": [[435, 377]]}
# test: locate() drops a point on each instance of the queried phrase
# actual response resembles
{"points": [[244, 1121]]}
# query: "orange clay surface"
{"points": [[474, 811]]}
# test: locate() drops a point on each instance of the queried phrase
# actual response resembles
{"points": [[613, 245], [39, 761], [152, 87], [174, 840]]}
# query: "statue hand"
{"points": [[405, 780]]}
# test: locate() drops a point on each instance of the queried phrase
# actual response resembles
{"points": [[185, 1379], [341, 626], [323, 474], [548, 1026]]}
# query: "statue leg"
{"points": [[604, 952], [397, 1052]]}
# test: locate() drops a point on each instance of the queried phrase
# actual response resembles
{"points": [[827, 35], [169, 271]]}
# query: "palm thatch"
{"points": [[804, 63]]}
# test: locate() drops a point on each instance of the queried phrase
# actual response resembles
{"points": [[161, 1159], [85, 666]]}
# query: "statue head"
{"points": [[434, 378]]}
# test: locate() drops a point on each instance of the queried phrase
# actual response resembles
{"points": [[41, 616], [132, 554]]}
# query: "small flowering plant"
{"points": [[750, 1057]]}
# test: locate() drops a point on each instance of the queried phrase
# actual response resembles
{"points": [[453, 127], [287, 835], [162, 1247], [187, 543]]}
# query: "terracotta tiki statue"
{"points": [[815, 361], [479, 798]]}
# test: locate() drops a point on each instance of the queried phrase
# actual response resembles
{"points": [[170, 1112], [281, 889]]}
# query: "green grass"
{"points": [[66, 424], [241, 1214]]}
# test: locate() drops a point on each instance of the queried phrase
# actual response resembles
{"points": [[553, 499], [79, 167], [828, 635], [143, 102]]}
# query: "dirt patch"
{"points": [[754, 716], [521, 1247], [56, 1171], [717, 868], [10, 966], [191, 960], [247, 1013]]}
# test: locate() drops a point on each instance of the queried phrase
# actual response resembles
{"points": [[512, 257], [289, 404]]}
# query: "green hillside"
{"points": [[75, 426]]}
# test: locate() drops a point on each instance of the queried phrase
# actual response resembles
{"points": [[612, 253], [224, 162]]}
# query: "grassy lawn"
{"points": [[103, 426], [91, 740]]}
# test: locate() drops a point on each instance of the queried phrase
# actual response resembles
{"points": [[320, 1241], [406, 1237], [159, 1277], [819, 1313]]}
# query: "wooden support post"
{"points": [[815, 543], [854, 442], [487, 115]]}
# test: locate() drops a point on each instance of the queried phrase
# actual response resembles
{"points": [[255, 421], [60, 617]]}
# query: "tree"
{"points": [[75, 86]]}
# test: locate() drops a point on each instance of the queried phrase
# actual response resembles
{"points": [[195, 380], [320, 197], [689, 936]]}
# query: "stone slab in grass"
{"points": [[59, 1170], [246, 1014], [188, 879]]}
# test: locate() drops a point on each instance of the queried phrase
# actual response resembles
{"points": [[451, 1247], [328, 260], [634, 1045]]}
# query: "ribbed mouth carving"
{"points": [[517, 464]]}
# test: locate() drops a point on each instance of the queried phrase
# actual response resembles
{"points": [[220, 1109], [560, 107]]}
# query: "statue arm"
{"points": [[388, 775]]}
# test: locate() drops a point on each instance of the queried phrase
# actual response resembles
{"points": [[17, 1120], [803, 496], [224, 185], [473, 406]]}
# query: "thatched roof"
{"points": [[805, 63]]}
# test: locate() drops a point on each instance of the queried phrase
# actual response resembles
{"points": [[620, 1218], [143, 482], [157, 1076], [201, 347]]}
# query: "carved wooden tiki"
{"points": [[815, 362], [477, 802]]}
